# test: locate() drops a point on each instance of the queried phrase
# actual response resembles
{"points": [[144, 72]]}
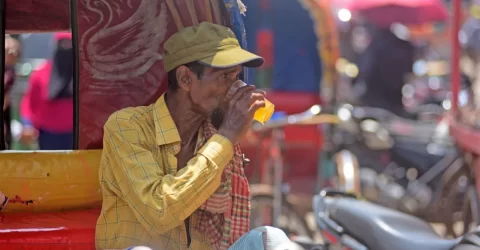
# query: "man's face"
{"points": [[208, 93]]}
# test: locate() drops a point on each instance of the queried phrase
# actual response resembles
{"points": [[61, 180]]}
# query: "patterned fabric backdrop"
{"points": [[121, 46]]}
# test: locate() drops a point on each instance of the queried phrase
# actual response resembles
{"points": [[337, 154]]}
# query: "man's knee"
{"points": [[261, 238], [272, 234], [139, 248]]}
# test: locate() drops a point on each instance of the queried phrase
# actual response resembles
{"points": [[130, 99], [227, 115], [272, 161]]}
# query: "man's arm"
{"points": [[161, 202]]}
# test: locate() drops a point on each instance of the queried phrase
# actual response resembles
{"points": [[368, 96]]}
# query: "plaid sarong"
{"points": [[225, 216]]}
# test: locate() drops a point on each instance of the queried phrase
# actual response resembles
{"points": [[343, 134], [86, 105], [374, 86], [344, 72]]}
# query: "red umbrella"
{"points": [[386, 12]]}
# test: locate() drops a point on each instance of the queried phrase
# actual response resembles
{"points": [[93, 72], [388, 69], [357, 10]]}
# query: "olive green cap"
{"points": [[211, 44]]}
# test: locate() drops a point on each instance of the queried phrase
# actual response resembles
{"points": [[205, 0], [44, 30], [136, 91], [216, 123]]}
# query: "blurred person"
{"points": [[47, 107], [469, 37], [384, 66], [12, 53]]}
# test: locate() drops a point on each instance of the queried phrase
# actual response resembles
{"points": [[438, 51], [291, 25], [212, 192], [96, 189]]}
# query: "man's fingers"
{"points": [[256, 105], [241, 92], [249, 99]]}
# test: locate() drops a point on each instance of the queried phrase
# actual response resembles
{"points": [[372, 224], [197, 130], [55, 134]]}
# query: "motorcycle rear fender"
{"points": [[334, 235], [348, 171]]}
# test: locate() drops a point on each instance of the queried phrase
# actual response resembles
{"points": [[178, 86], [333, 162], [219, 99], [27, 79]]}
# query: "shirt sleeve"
{"points": [[162, 202]]}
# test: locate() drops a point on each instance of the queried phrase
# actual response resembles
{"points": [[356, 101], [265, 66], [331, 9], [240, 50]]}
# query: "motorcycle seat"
{"points": [[381, 228]]}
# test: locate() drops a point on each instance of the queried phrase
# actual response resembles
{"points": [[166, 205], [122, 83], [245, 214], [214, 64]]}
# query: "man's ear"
{"points": [[183, 78]]}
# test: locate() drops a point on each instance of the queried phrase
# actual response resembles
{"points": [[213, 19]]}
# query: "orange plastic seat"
{"points": [[69, 230]]}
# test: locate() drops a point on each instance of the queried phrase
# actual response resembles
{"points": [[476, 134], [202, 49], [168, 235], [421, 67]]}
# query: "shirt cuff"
{"points": [[218, 149]]}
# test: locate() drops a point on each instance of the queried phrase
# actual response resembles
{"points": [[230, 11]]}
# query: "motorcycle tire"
{"points": [[470, 214], [449, 199], [290, 222], [470, 241], [471, 211]]}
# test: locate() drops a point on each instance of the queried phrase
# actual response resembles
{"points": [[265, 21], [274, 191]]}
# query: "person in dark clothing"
{"points": [[383, 68], [12, 53]]}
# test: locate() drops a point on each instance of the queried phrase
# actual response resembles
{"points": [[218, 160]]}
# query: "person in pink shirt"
{"points": [[47, 107]]}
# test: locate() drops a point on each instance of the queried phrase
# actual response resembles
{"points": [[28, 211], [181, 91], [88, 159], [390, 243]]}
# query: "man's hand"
{"points": [[240, 113]]}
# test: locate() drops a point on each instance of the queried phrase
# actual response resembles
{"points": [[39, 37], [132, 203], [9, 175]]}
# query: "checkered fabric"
{"points": [[225, 216]]}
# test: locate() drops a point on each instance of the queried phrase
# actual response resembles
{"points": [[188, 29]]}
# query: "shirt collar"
{"points": [[166, 131]]}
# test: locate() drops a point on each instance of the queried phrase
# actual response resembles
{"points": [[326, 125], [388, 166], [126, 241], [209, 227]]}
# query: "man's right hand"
{"points": [[242, 107]]}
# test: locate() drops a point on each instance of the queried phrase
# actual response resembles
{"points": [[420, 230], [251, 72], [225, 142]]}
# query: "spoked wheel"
{"points": [[461, 210], [470, 211], [451, 196], [289, 221]]}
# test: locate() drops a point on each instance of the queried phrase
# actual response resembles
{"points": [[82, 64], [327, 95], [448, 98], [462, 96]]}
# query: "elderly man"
{"points": [[172, 173]]}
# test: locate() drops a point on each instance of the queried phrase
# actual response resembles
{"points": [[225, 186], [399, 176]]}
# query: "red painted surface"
{"points": [[71, 230], [467, 138], [265, 46]]}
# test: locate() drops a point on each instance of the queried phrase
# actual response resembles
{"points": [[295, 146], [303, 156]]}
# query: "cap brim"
{"points": [[233, 57]]}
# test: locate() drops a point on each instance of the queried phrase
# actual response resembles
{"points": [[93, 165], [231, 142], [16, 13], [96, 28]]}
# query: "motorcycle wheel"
{"points": [[469, 213], [471, 210], [450, 198], [290, 221]]}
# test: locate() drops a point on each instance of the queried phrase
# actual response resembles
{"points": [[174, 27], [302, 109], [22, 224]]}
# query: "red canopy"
{"points": [[357, 5], [386, 12]]}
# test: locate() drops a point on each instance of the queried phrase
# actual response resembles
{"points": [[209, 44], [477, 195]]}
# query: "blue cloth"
{"points": [[296, 58], [261, 238], [55, 141], [238, 26], [297, 66]]}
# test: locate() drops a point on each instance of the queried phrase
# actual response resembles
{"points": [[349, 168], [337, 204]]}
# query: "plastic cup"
{"points": [[263, 114]]}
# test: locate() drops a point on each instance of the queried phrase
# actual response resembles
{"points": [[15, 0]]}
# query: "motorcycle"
{"points": [[349, 223], [406, 165], [403, 163]]}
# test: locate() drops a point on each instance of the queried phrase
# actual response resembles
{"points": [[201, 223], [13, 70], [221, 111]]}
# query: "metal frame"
{"points": [[2, 72], [76, 73]]}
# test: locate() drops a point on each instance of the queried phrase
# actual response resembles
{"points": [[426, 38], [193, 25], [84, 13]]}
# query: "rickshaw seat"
{"points": [[49, 230]]}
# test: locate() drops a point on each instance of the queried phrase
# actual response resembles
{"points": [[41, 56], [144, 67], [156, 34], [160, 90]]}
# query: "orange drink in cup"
{"points": [[262, 115]]}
